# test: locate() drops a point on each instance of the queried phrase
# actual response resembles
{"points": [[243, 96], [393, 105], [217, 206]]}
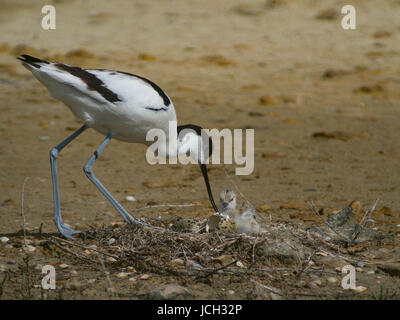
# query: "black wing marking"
{"points": [[92, 82]]}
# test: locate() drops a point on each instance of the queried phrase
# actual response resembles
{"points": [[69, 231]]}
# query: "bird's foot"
{"points": [[67, 231], [129, 219]]}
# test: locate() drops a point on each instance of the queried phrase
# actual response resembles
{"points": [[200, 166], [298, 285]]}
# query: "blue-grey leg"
{"points": [[88, 169], [65, 230]]}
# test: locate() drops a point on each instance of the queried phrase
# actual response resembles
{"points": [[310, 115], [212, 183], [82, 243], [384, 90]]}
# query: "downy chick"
{"points": [[246, 220]]}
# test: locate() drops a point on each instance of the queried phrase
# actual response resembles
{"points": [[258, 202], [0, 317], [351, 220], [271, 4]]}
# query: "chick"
{"points": [[246, 220], [227, 204]]}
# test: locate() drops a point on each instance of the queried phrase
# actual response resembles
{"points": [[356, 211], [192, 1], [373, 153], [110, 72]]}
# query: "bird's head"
{"points": [[194, 140], [227, 200]]}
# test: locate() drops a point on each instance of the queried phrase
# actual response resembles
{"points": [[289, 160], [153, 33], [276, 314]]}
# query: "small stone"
{"points": [[12, 261], [332, 279], [371, 272], [130, 198], [74, 273], [170, 291], [132, 279], [315, 283], [29, 248], [107, 213], [122, 275], [8, 246], [44, 138], [240, 264], [111, 259], [358, 269], [63, 266], [91, 281], [231, 292], [359, 289], [111, 241], [145, 277], [4, 239]]}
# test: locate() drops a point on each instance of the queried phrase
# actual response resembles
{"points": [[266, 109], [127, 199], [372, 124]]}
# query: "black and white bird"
{"points": [[119, 105]]}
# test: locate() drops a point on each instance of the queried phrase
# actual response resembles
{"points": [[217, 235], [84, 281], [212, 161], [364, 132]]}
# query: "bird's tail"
{"points": [[29, 61]]}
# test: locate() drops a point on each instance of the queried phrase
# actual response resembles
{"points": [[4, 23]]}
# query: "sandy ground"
{"points": [[285, 68]]}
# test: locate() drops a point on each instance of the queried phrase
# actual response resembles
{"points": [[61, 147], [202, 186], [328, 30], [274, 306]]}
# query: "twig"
{"points": [[85, 247], [22, 208], [216, 270], [71, 252], [166, 205], [106, 273]]}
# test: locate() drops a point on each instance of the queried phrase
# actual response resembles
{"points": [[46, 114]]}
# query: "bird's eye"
{"points": [[231, 200]]}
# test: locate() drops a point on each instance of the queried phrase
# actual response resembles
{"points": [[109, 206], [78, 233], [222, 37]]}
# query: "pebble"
{"points": [[359, 289], [74, 273], [44, 138], [111, 241], [4, 239], [240, 264], [111, 259], [3, 267], [8, 246], [371, 272], [332, 279], [91, 281], [29, 248], [170, 291], [358, 269], [130, 198], [11, 262], [107, 213], [145, 277], [122, 275], [63, 266], [315, 283]]}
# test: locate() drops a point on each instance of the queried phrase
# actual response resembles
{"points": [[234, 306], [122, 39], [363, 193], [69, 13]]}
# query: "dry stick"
{"points": [[216, 270], [84, 247], [22, 208], [71, 252], [306, 263], [110, 285], [168, 270], [167, 205], [254, 247], [311, 204]]}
